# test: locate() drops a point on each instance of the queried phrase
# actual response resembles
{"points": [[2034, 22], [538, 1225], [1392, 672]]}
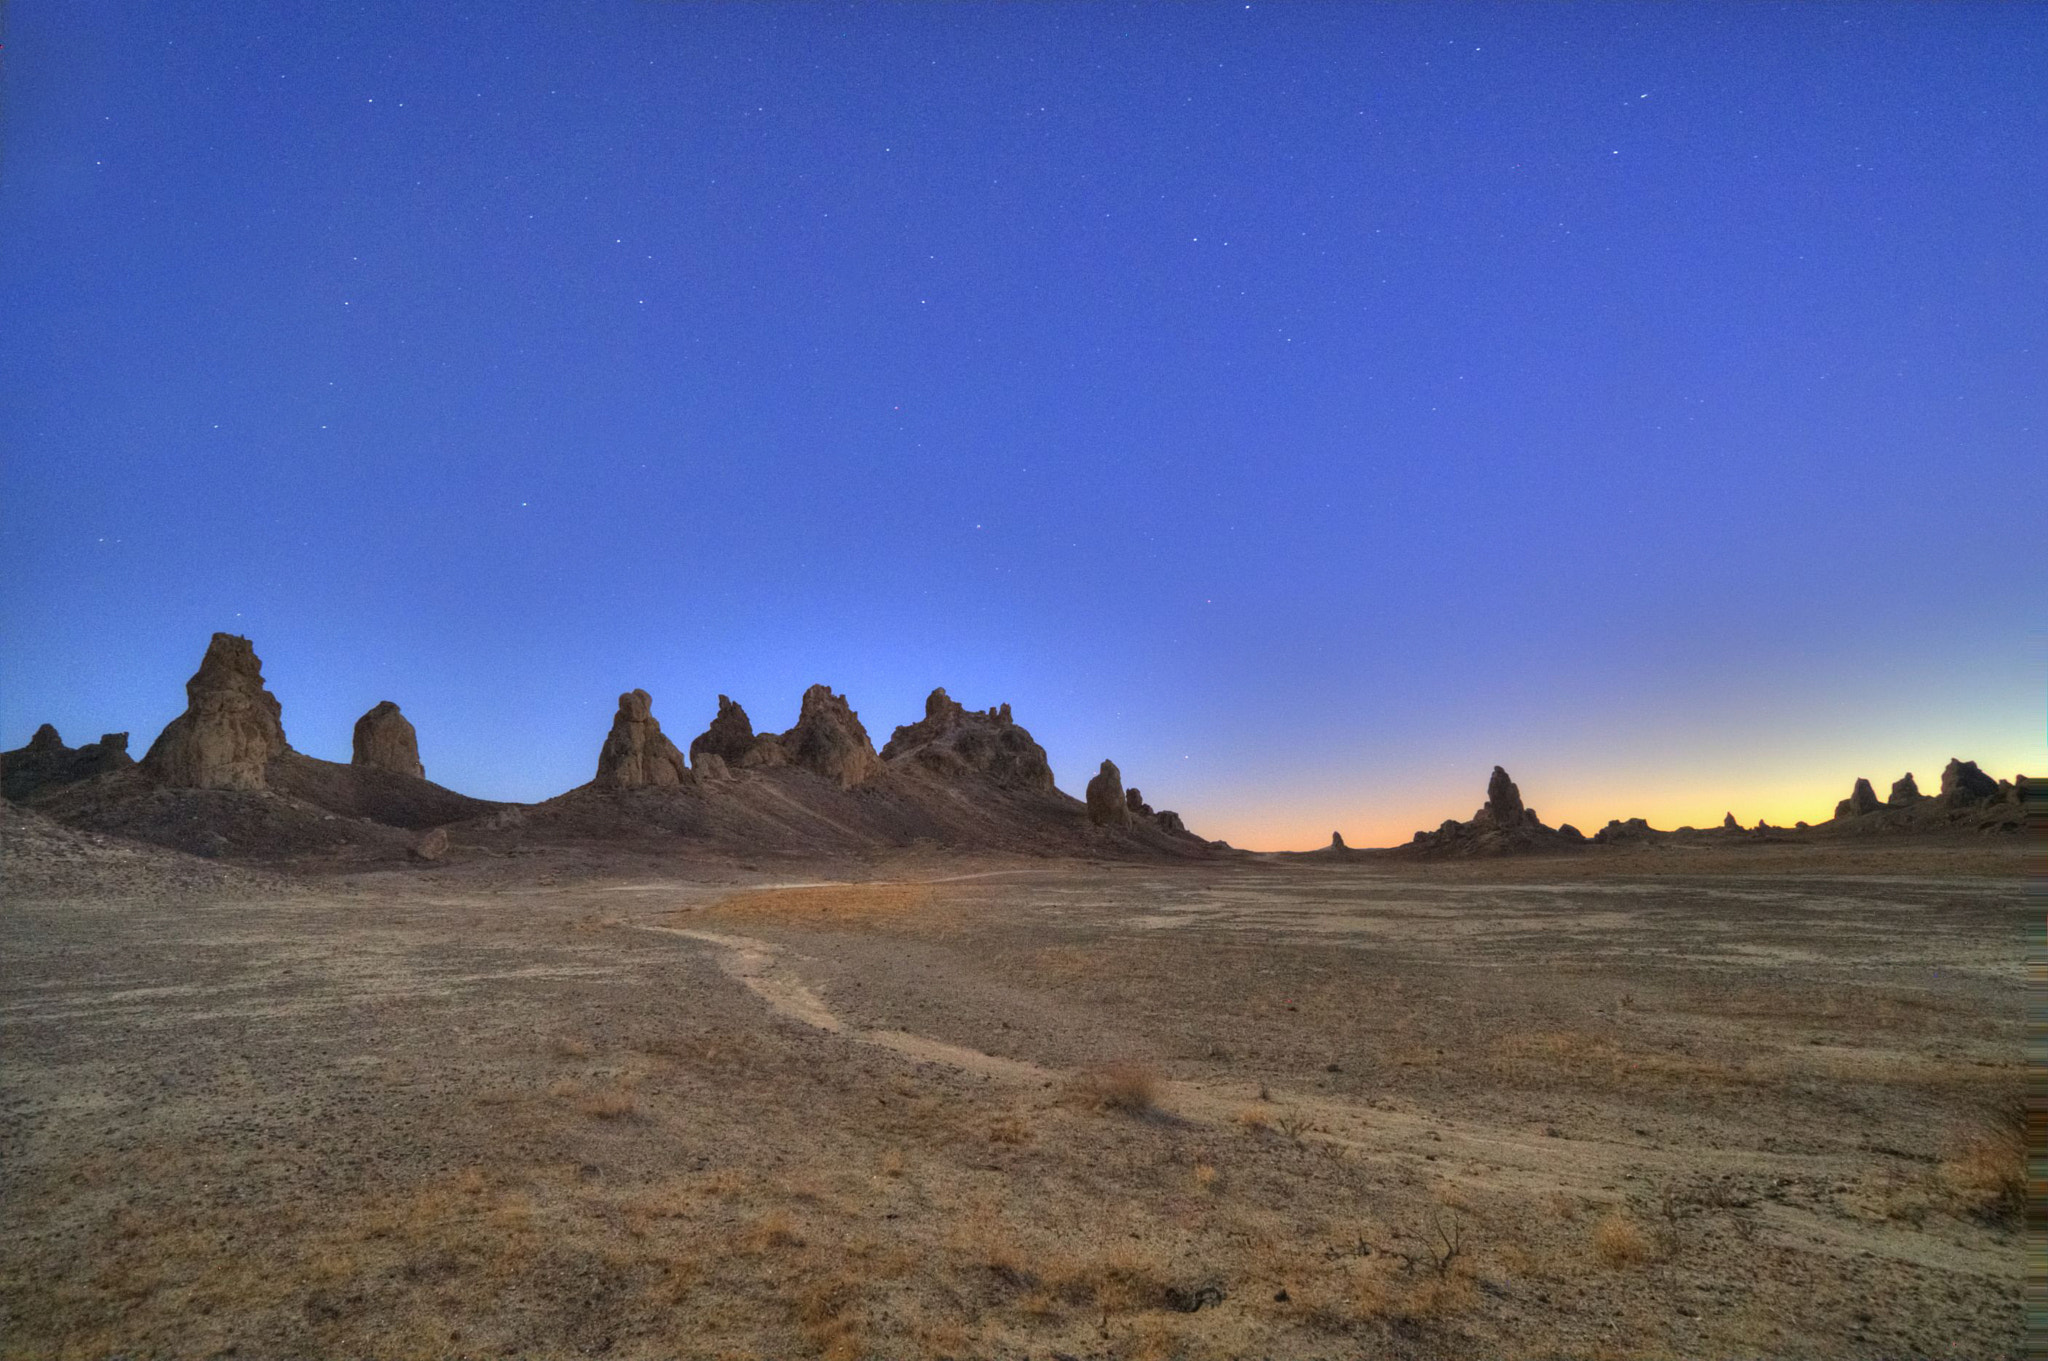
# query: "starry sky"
{"points": [[1308, 406]]}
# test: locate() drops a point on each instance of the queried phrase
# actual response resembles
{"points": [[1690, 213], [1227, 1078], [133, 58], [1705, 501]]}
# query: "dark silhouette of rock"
{"points": [[954, 742], [1106, 804], [1568, 833], [1729, 824], [231, 728], [829, 740], [1962, 784], [1905, 792], [635, 753], [1503, 826], [1337, 841], [1169, 821], [46, 763], [385, 739], [1135, 801], [431, 846], [1634, 829], [1862, 799], [730, 736], [1503, 801]]}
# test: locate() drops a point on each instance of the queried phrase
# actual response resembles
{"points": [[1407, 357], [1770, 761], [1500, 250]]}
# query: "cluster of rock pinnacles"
{"points": [[233, 727]]}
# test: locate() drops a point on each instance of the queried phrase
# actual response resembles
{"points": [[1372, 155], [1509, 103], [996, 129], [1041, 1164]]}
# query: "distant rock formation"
{"points": [[730, 736], [1503, 826], [828, 739], [953, 742], [1135, 801], [1729, 824], [231, 728], [1963, 784], [385, 740], [1634, 829], [1169, 821], [1905, 792], [1862, 799], [46, 763], [1337, 842], [636, 754], [1107, 806]]}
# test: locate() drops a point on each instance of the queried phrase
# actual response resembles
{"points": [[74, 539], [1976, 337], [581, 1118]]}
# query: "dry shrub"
{"points": [[1986, 1171], [772, 1232], [565, 1047], [1618, 1243], [1124, 1087], [1206, 1178], [891, 1164], [611, 1105], [1254, 1118], [1009, 1129], [1156, 1340], [1120, 1281], [830, 1314]]}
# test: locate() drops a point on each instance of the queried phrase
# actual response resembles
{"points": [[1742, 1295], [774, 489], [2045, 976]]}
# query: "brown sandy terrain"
{"points": [[1644, 1104]]}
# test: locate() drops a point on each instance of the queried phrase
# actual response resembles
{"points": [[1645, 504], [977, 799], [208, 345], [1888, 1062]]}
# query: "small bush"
{"points": [[1986, 1170], [1123, 1087], [1618, 1243]]}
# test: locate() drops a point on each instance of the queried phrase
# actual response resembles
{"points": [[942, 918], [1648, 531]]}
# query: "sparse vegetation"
{"points": [[1618, 1243], [1126, 1088], [1986, 1169]]}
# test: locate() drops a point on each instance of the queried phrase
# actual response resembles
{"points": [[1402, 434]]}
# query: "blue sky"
{"points": [[1306, 406]]}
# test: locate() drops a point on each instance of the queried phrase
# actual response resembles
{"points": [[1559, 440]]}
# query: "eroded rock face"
{"points": [[231, 728], [1337, 841], [636, 754], [955, 742], [710, 766], [385, 740], [729, 737], [1503, 800], [1862, 799], [1135, 801], [1905, 791], [1169, 821], [1729, 824], [1963, 783], [46, 763], [1107, 806], [432, 844], [828, 738]]}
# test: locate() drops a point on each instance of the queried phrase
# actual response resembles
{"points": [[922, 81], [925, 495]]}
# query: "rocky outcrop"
{"points": [[231, 728], [636, 754], [46, 763], [1107, 806], [730, 736], [955, 742], [1862, 799], [1135, 801], [710, 767], [1169, 821], [828, 740], [1905, 792], [432, 845], [1963, 784], [1337, 842], [1502, 826], [385, 740], [1729, 824]]}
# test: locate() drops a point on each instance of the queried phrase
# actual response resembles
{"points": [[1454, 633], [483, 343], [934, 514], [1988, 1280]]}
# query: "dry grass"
{"points": [[830, 905], [1255, 1118], [564, 1047], [1009, 1129], [1985, 1173], [615, 1104], [1619, 1244], [1123, 1087]]}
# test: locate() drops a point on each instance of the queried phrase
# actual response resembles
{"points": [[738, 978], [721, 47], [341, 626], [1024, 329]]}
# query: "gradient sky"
{"points": [[1308, 406]]}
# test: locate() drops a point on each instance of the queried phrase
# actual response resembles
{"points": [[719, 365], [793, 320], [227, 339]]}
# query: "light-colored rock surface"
{"points": [[385, 740], [956, 742], [1107, 806], [829, 740], [636, 754], [231, 728]]}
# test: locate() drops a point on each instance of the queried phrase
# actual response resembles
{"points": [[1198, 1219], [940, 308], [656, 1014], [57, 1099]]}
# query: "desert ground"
{"points": [[1762, 1102]]}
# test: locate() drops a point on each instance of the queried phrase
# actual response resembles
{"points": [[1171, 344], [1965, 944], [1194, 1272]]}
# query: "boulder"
{"points": [[432, 845], [1904, 791], [955, 742], [1963, 784], [636, 754], [231, 728], [729, 737], [46, 763], [829, 740], [1107, 806], [385, 740]]}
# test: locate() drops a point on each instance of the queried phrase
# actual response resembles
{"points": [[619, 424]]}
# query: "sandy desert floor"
{"points": [[1648, 1106]]}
